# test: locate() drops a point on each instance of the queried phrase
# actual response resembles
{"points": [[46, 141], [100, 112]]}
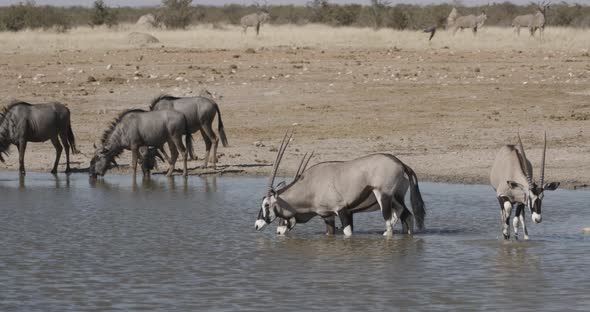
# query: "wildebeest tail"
{"points": [[416, 197], [72, 140], [220, 127], [188, 139]]}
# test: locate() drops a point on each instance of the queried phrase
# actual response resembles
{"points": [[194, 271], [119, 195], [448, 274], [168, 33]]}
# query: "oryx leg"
{"points": [[346, 220], [64, 141], [384, 201], [506, 210], [58, 149], [173, 157], [330, 225], [521, 218], [516, 219]]}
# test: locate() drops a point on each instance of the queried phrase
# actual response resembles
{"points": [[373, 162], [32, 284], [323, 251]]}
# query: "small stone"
{"points": [[91, 79], [109, 67], [259, 144]]}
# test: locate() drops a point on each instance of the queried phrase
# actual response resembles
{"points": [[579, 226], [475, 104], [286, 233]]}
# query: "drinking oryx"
{"points": [[135, 128], [254, 20], [337, 188], [368, 205], [512, 178], [200, 112], [468, 21], [532, 21], [21, 122]]}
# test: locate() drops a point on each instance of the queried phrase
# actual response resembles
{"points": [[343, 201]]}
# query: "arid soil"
{"points": [[445, 113]]}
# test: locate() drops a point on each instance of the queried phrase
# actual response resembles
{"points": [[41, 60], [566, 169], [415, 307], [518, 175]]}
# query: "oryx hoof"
{"points": [[506, 237], [526, 237]]}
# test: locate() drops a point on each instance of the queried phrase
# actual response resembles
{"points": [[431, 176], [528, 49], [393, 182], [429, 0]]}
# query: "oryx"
{"points": [[337, 188], [254, 20], [468, 21], [512, 178], [532, 21], [21, 122]]}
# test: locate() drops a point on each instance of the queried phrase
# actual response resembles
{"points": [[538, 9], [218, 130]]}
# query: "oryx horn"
{"points": [[524, 163], [281, 151], [542, 177]]}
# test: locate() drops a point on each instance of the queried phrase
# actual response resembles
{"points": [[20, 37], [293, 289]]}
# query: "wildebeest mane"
{"points": [[160, 98], [107, 133]]}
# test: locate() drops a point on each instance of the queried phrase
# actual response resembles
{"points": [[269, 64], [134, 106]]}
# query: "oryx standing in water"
{"points": [[532, 21], [255, 20], [336, 188], [512, 178], [21, 122]]}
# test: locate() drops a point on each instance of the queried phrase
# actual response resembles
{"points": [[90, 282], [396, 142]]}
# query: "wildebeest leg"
{"points": [[173, 157], [207, 146], [184, 154], [506, 210], [330, 225], [58, 149], [257, 28], [134, 156], [64, 141], [22, 146], [212, 140], [521, 217], [346, 220]]}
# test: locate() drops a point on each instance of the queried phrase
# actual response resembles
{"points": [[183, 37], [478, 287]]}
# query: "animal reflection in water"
{"points": [[21, 122], [512, 178], [133, 129], [342, 188]]}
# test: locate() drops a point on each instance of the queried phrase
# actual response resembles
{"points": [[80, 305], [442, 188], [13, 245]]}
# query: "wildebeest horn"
{"points": [[525, 167], [281, 151], [542, 177]]}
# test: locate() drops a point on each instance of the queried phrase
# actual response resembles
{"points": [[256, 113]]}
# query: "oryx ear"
{"points": [[514, 185], [551, 186]]}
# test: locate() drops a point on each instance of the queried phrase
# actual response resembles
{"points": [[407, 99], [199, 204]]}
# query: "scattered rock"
{"points": [[477, 70], [110, 66], [91, 79], [250, 50], [586, 230], [259, 144]]}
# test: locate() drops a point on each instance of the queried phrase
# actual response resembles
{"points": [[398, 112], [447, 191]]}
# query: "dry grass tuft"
{"points": [[317, 36]]}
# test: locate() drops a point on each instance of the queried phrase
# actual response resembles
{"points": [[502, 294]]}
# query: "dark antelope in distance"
{"points": [[336, 188], [135, 128], [21, 122], [199, 111], [512, 178]]}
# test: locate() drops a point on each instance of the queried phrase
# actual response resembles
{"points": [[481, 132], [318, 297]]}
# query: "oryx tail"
{"points": [[415, 197]]}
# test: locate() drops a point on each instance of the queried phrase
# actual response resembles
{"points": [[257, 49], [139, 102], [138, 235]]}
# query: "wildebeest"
{"points": [[468, 21], [532, 21], [21, 122], [254, 20], [200, 112], [148, 157], [335, 188], [135, 128], [512, 178]]}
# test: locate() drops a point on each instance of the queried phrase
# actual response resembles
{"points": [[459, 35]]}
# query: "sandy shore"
{"points": [[443, 111]]}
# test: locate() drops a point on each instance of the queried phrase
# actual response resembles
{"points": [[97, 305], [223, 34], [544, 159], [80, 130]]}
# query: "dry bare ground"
{"points": [[444, 107]]}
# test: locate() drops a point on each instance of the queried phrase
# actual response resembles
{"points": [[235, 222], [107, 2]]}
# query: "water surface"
{"points": [[173, 244]]}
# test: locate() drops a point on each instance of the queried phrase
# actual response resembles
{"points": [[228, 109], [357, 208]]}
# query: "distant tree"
{"points": [[176, 13], [103, 15], [379, 9]]}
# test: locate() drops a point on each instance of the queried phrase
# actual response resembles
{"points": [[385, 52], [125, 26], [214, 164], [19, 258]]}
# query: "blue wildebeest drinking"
{"points": [[336, 188], [512, 178], [135, 128], [200, 112], [21, 122]]}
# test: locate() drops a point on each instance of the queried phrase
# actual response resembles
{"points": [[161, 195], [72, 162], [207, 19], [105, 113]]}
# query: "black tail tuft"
{"points": [[220, 128]]}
